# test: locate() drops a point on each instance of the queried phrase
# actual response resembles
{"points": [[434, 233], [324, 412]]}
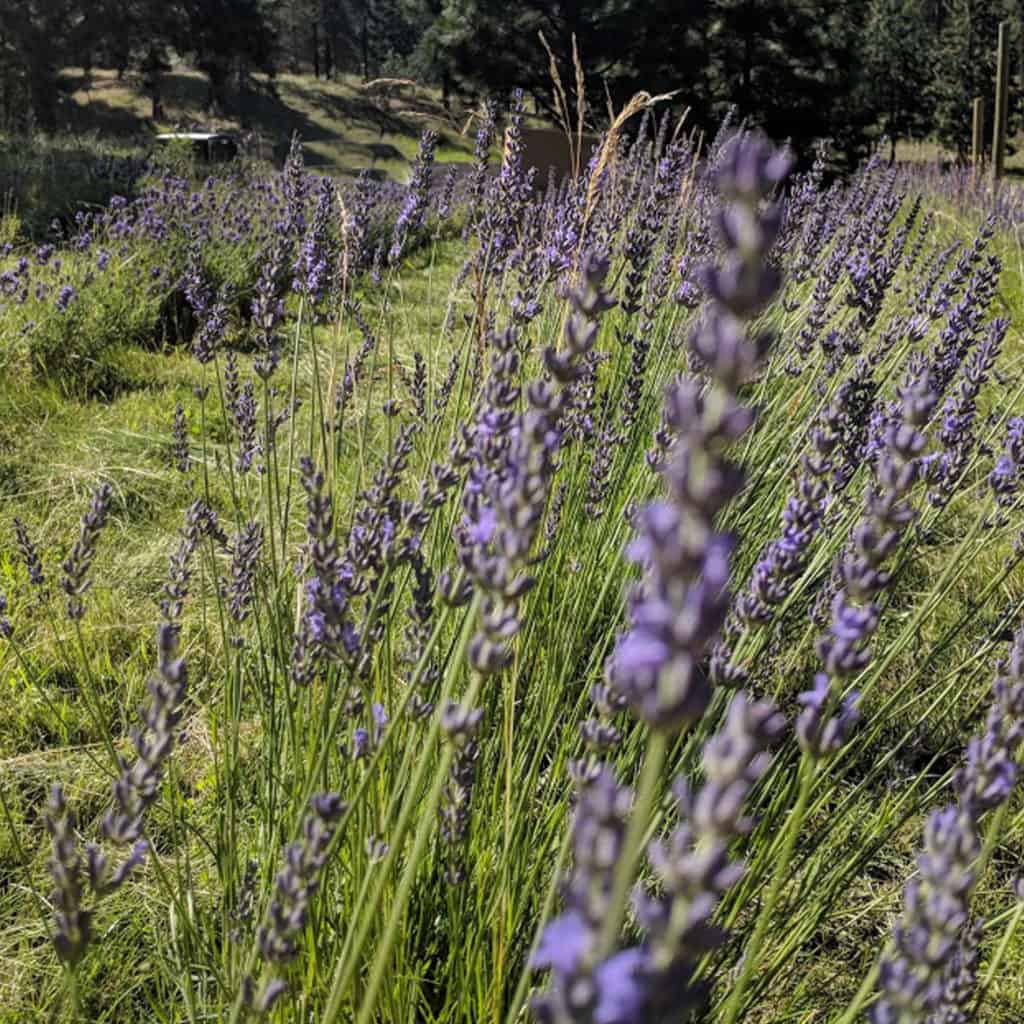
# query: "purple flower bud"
{"points": [[75, 581], [29, 554], [296, 884]]}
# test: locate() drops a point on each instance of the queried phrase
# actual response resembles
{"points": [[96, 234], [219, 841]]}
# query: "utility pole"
{"points": [[977, 135], [1002, 95]]}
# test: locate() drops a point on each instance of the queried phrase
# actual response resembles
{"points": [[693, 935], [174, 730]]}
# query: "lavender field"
{"points": [[470, 601]]}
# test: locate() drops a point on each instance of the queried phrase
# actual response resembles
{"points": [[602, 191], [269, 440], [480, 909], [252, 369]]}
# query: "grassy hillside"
{"points": [[106, 135], [344, 126]]}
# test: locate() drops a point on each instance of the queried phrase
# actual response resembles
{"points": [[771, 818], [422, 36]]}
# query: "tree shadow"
{"points": [[353, 109], [334, 124]]}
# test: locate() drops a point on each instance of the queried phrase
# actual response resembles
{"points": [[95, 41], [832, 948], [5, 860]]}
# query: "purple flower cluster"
{"points": [[927, 976], [246, 550], [514, 465], [655, 981], [481, 159], [313, 263], [410, 218], [69, 871], [179, 573], [268, 310], [139, 782], [844, 649], [29, 554], [959, 414], [785, 558], [461, 726], [179, 441], [210, 336], [675, 616], [657, 664], [76, 580], [417, 636], [135, 789], [1008, 473], [326, 629], [297, 882]]}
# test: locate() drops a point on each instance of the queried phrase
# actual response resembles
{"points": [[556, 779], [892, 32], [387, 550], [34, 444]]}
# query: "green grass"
{"points": [[344, 126]]}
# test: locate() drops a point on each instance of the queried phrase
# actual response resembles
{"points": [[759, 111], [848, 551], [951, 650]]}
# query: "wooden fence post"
{"points": [[977, 134], [1002, 90]]}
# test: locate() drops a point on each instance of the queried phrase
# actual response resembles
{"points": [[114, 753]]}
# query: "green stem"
{"points": [[427, 823], [346, 964], [993, 830], [549, 901], [365, 785], [1000, 953], [625, 871], [853, 1011], [808, 771]]}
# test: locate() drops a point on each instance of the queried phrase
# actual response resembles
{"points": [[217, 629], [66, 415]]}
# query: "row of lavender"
{"points": [[780, 397], [121, 275]]}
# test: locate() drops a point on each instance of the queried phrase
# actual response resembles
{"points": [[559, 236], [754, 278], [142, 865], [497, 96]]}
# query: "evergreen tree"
{"points": [[965, 67], [225, 36], [40, 37], [896, 61], [791, 67]]}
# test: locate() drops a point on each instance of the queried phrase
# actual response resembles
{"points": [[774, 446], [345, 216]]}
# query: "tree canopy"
{"points": [[801, 69]]}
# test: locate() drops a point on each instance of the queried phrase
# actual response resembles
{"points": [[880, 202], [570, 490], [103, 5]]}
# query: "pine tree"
{"points": [[791, 67], [40, 37], [896, 46], [223, 36], [965, 67]]}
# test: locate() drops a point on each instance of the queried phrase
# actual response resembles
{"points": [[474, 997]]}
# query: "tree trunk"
{"points": [[156, 100], [364, 40], [43, 96], [446, 88], [316, 50], [296, 46], [217, 76]]}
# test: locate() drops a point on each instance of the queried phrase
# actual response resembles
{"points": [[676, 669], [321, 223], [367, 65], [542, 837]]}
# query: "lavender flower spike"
{"points": [[921, 981], [653, 983], [676, 616], [656, 665], [72, 921], [75, 581], [179, 440], [576, 993], [1005, 479], [692, 864], [29, 554], [934, 912], [461, 726], [296, 884], [139, 782], [247, 547], [326, 627], [844, 649], [410, 217]]}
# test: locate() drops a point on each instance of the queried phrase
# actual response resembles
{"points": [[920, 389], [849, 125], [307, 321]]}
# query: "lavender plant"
{"points": [[381, 517]]}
